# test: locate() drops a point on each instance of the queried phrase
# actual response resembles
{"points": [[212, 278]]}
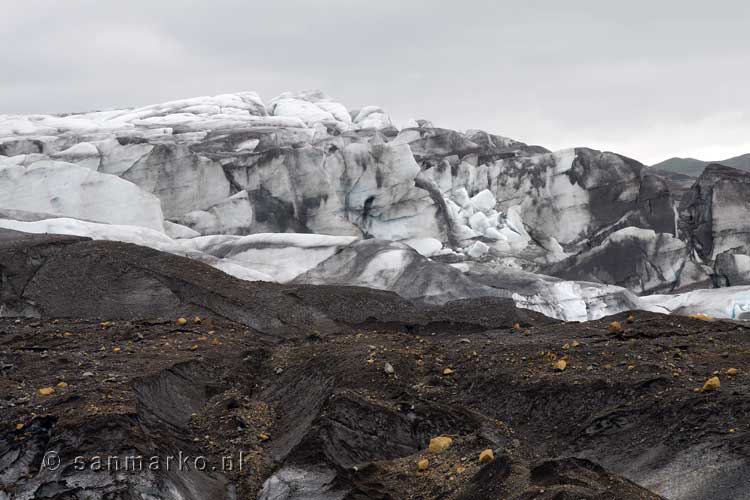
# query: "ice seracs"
{"points": [[83, 154], [713, 213], [303, 108], [638, 259], [483, 201], [372, 117]]}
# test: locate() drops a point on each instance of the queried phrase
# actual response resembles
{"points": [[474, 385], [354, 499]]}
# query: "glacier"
{"points": [[302, 189]]}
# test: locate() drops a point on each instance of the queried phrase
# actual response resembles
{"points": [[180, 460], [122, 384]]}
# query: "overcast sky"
{"points": [[647, 78]]}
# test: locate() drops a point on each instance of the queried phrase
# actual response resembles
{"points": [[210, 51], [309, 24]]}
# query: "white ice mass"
{"points": [[301, 189]]}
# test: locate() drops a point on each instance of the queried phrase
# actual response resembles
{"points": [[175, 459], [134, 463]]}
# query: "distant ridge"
{"points": [[694, 168]]}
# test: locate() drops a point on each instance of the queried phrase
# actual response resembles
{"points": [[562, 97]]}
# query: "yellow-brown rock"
{"points": [[711, 384], [440, 443], [486, 456]]}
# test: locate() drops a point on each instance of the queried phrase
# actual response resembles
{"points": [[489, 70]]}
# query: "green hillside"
{"points": [[694, 168]]}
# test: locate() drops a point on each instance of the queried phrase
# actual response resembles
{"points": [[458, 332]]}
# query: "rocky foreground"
{"points": [[331, 392]]}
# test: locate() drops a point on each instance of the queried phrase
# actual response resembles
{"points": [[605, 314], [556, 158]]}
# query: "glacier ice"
{"points": [[218, 177], [70, 190]]}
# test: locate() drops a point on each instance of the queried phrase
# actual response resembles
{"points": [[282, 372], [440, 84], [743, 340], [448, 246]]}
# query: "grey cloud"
{"points": [[648, 79]]}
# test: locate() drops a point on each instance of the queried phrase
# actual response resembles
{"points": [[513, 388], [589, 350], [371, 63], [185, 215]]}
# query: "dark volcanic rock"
{"points": [[318, 417], [559, 479], [62, 276], [113, 456], [58, 276]]}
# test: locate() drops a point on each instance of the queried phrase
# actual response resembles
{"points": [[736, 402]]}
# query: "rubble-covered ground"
{"points": [[350, 414]]}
